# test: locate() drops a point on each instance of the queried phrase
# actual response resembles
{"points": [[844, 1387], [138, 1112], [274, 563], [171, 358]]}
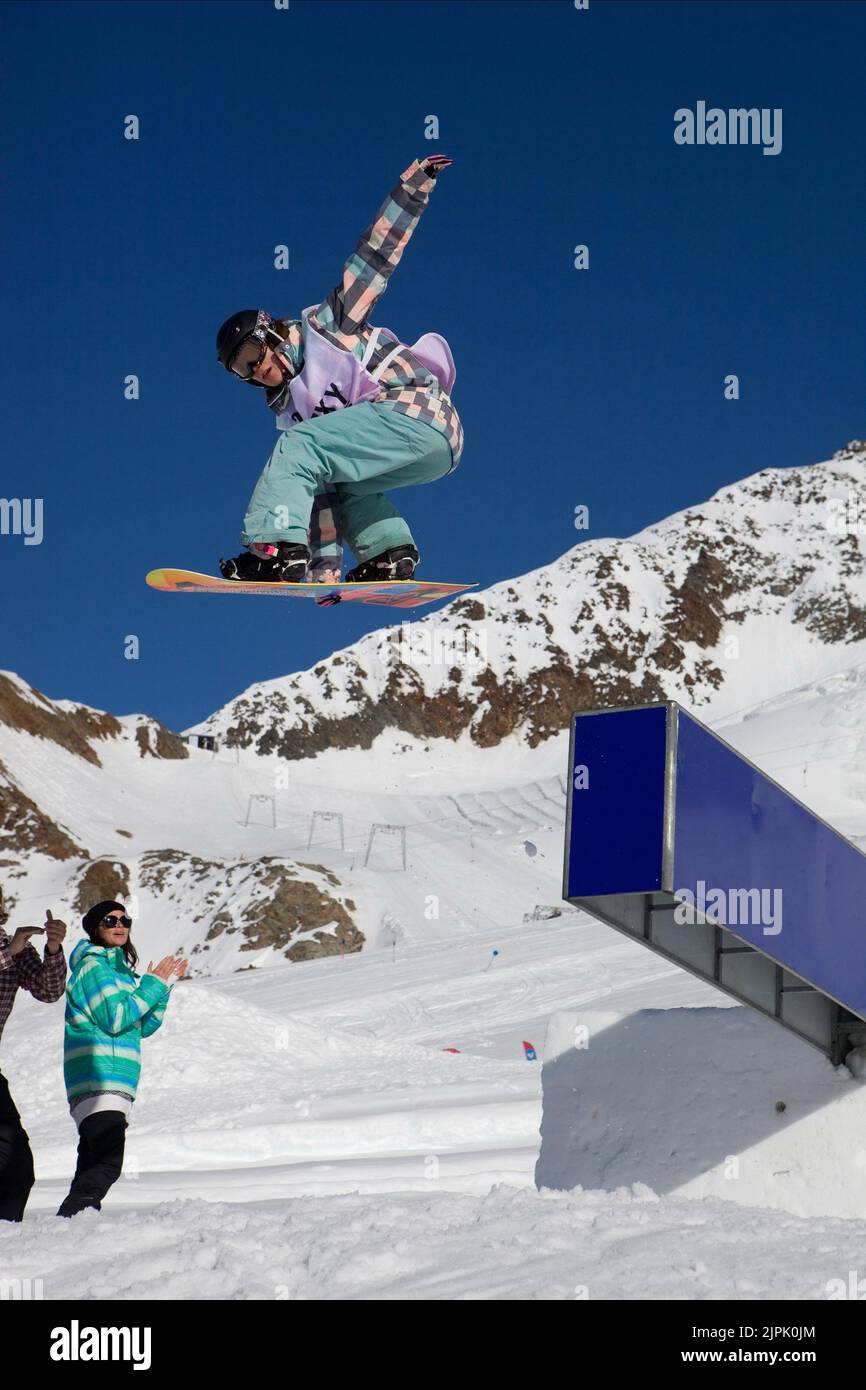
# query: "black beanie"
{"points": [[92, 918]]}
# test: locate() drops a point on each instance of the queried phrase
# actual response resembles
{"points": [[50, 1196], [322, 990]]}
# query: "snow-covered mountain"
{"points": [[724, 603], [92, 806], [428, 738]]}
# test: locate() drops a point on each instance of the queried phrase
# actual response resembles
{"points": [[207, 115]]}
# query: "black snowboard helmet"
{"points": [[248, 324]]}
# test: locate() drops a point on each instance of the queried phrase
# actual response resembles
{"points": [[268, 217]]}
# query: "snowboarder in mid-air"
{"points": [[331, 463]]}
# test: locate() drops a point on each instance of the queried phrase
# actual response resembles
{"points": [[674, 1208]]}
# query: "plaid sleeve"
{"points": [[7, 960], [43, 977], [371, 264], [8, 979]]}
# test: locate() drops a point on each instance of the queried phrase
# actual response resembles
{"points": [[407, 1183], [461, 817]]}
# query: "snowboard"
{"points": [[394, 593]]}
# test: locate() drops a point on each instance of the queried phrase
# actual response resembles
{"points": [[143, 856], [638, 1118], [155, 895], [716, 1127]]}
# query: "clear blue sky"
{"points": [[261, 127]]}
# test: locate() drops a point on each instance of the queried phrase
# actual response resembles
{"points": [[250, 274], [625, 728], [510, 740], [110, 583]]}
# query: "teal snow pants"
{"points": [[356, 453]]}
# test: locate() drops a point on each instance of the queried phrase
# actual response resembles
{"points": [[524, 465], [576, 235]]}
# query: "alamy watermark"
{"points": [[736, 126], [731, 907], [22, 516], [846, 516], [84, 1343], [853, 1287], [433, 644], [21, 1290]]}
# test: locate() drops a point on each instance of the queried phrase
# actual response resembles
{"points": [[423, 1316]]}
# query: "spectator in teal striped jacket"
{"points": [[109, 1009]]}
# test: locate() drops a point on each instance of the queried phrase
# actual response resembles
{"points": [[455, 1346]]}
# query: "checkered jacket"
{"points": [[343, 317], [44, 977]]}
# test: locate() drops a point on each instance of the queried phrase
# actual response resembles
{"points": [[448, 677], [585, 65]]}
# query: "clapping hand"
{"points": [[170, 968]]}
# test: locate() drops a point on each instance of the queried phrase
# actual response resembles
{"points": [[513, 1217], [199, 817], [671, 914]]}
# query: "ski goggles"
{"points": [[116, 922], [247, 358]]}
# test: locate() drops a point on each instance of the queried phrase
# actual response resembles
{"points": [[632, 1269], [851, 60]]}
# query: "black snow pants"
{"points": [[16, 1160], [101, 1139]]}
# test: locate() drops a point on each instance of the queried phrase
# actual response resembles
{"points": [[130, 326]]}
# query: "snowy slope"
{"points": [[302, 1132], [417, 1166]]}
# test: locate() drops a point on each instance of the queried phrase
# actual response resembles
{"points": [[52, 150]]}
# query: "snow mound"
{"points": [[701, 1102]]}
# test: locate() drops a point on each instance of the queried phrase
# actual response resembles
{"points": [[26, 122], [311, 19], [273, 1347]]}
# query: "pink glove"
{"points": [[434, 162]]}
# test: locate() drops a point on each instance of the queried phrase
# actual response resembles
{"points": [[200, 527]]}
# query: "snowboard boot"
{"points": [[391, 564], [284, 563]]}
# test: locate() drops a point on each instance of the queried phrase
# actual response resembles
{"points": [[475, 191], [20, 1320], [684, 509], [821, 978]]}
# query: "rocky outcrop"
{"points": [[74, 728], [78, 728], [155, 741], [264, 903], [25, 828], [99, 880]]}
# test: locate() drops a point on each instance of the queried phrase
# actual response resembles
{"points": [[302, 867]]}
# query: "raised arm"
{"points": [[372, 263], [44, 977]]}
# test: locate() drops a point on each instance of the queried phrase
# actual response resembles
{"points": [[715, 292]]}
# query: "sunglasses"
{"points": [[117, 922], [249, 356]]}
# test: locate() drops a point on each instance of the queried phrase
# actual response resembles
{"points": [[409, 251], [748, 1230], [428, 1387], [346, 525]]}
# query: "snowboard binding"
{"points": [[399, 563], [284, 563]]}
